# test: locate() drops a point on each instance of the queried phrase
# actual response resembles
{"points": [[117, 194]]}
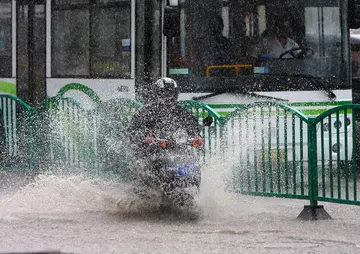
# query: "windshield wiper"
{"points": [[271, 82], [253, 94], [319, 82], [198, 98], [250, 94]]}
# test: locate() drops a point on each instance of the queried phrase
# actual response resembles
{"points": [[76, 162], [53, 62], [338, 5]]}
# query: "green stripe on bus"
{"points": [[310, 112], [292, 104], [6, 87]]}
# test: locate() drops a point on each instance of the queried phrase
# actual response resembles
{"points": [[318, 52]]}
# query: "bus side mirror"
{"points": [[354, 14], [171, 21]]}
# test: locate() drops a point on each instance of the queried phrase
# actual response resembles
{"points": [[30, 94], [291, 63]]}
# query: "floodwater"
{"points": [[73, 214]]}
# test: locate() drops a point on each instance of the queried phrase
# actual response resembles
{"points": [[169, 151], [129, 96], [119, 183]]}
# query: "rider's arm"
{"points": [[193, 129], [191, 123], [138, 128]]}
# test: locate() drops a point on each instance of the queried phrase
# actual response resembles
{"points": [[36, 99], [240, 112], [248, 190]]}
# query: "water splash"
{"points": [[56, 193], [68, 192], [216, 193]]}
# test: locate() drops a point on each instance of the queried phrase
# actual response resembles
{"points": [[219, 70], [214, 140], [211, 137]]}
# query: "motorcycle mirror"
{"points": [[208, 121]]}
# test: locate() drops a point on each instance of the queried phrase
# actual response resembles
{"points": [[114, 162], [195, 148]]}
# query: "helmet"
{"points": [[166, 90]]}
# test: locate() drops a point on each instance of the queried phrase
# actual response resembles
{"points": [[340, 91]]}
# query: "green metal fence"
{"points": [[17, 132], [80, 88], [334, 154], [89, 140], [67, 133], [213, 133], [268, 142], [281, 152], [274, 149], [111, 120]]}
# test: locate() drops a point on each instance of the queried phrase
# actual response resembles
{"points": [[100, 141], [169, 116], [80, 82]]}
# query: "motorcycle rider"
{"points": [[163, 116]]}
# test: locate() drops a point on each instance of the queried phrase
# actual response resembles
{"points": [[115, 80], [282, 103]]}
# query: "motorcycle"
{"points": [[171, 166]]}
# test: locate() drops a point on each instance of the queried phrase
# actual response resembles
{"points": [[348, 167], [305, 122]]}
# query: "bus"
{"points": [[118, 47], [319, 71]]}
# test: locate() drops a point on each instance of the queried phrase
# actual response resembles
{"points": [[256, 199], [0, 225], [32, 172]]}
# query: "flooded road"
{"points": [[77, 215]]}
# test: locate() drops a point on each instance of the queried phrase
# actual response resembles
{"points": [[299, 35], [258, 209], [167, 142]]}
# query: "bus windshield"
{"points": [[258, 45]]}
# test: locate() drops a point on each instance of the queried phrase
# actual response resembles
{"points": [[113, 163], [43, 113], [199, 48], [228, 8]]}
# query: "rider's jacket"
{"points": [[162, 120]]}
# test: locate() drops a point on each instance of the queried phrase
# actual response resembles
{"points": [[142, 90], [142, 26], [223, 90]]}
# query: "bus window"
{"points": [[5, 39], [355, 52], [354, 14], [91, 40], [70, 44], [240, 39]]}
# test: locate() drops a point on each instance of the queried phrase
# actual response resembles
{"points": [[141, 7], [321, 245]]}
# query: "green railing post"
{"points": [[313, 211], [312, 163]]}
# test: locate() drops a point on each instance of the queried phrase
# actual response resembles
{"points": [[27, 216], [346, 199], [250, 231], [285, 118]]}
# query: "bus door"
{"points": [[30, 50]]}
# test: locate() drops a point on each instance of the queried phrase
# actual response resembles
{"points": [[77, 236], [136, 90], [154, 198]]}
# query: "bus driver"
{"points": [[274, 44]]}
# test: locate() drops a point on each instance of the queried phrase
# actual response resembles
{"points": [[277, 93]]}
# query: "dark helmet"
{"points": [[166, 90]]}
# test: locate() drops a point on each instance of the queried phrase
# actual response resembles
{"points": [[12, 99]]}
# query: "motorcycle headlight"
{"points": [[180, 137]]}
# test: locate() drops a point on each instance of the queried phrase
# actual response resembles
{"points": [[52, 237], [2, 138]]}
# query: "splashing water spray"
{"points": [[70, 189]]}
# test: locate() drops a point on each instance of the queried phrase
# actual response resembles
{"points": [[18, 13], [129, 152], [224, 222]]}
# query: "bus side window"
{"points": [[171, 22], [355, 55], [354, 14]]}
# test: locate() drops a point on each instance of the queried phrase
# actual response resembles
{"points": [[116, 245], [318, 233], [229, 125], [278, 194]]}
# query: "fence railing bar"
{"points": [[346, 146]]}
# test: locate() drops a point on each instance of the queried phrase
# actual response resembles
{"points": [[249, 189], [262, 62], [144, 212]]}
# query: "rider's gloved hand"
{"points": [[198, 141]]}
